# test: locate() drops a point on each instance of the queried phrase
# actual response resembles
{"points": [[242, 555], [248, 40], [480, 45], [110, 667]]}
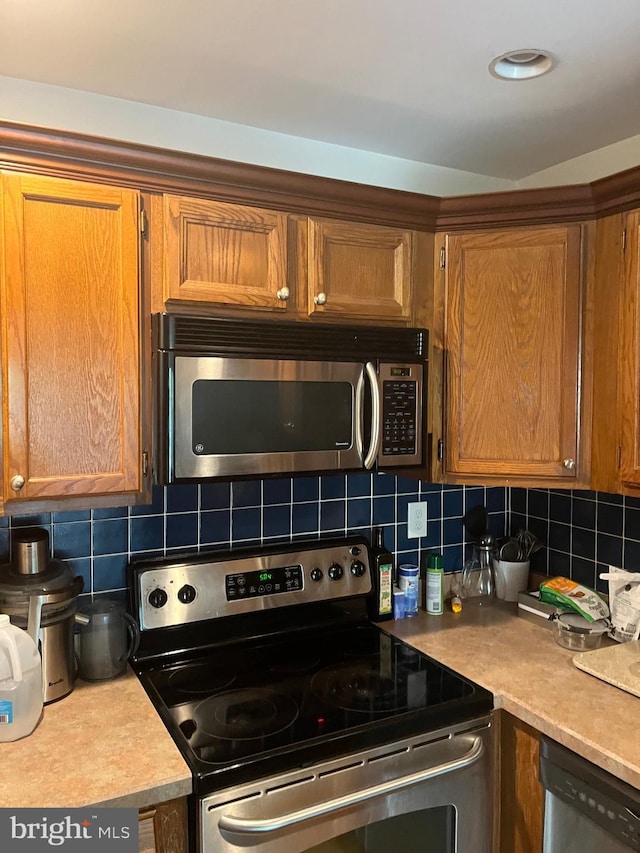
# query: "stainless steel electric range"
{"points": [[305, 725]]}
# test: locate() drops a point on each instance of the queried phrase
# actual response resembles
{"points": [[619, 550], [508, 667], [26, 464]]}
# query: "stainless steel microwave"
{"points": [[236, 398]]}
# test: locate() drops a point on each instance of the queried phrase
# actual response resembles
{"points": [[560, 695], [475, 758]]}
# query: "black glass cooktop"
{"points": [[239, 711]]}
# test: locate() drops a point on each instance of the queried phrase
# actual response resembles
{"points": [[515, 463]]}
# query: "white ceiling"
{"points": [[406, 78]]}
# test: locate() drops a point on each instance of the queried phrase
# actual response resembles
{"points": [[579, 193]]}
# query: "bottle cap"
{"points": [[435, 561]]}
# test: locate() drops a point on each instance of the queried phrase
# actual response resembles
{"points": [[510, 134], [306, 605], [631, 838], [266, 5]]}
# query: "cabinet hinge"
{"points": [[145, 463], [143, 222], [624, 239], [443, 258], [619, 457], [440, 450]]}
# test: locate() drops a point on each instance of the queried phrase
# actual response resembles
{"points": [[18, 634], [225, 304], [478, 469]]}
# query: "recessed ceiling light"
{"points": [[522, 64]]}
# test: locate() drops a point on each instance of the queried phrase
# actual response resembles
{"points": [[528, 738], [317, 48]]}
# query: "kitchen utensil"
{"points": [[476, 522], [40, 596], [108, 639], [512, 577]]}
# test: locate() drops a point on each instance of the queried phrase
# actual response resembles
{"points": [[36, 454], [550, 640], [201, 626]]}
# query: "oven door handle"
{"points": [[372, 455], [227, 823]]}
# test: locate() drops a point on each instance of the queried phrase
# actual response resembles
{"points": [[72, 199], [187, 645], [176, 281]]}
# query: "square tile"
{"points": [[384, 510], [305, 518], [333, 487], [156, 507], [109, 573], [333, 516], [276, 491], [110, 536], [182, 530], [359, 485], [215, 496], [452, 503], [72, 539], [246, 493], [276, 521], [215, 527], [146, 534], [183, 498], [358, 512], [384, 484], [610, 518], [538, 503], [306, 489], [245, 524]]}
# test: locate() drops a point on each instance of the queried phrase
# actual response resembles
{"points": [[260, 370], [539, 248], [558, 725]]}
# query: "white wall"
{"points": [[589, 167], [113, 118]]}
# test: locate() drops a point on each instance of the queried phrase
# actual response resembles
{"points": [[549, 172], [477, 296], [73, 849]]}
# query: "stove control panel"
{"points": [[208, 586]]}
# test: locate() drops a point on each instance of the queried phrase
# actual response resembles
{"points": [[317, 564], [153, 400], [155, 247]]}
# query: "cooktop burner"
{"points": [[279, 688]]}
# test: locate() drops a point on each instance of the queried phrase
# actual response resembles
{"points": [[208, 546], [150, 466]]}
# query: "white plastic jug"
{"points": [[21, 696]]}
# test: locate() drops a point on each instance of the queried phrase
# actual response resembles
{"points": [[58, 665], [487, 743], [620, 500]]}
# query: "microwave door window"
{"points": [[262, 417]]}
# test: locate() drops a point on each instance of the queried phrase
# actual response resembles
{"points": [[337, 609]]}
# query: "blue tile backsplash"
{"points": [[100, 542], [583, 532]]}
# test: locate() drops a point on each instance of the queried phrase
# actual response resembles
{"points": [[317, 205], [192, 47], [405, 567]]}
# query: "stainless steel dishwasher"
{"points": [[586, 809]]}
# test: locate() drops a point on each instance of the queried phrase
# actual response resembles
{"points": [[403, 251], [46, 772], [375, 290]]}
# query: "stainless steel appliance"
{"points": [[586, 809], [306, 726], [40, 595], [235, 397]]}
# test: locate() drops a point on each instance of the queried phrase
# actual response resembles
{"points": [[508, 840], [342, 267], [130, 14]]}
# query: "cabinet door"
{"points": [[224, 254], [360, 272], [512, 340], [70, 329], [630, 358]]}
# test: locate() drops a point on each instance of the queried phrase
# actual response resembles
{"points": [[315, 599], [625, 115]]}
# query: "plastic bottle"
{"points": [[21, 695], [435, 585], [382, 570], [409, 580]]}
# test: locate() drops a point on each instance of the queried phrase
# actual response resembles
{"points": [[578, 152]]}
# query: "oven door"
{"points": [[430, 794], [243, 416]]}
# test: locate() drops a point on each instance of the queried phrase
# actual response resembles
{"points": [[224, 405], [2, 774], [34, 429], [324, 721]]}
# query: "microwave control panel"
{"points": [[400, 410]]}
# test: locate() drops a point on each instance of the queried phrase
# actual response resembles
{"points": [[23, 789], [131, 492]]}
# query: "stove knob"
{"points": [[335, 571], [186, 594], [354, 551], [158, 597], [357, 568], [316, 574]]}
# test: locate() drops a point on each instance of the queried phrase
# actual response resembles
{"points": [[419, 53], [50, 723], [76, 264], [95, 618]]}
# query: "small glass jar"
{"points": [[409, 581]]}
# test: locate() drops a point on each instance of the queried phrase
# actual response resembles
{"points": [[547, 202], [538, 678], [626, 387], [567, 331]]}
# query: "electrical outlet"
{"points": [[416, 520]]}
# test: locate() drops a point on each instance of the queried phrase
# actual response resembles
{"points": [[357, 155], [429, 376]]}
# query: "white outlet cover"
{"points": [[416, 520]]}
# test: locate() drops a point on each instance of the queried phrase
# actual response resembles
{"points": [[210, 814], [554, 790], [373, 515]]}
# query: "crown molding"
{"points": [[156, 170], [70, 154]]}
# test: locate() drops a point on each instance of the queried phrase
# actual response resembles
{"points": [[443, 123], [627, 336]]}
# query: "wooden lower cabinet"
{"points": [[520, 813], [164, 828]]}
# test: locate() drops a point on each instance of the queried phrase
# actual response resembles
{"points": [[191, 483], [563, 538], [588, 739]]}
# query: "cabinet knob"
{"points": [[283, 294], [570, 464], [16, 482], [320, 299]]}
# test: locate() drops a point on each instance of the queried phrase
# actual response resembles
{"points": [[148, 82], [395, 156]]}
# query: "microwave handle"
{"points": [[359, 415], [374, 447]]}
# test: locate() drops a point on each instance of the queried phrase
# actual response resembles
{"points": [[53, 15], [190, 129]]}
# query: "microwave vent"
{"points": [[182, 333]]}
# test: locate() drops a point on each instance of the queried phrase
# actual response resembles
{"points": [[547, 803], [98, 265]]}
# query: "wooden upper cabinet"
{"points": [[361, 272], [512, 339], [70, 331], [629, 358], [224, 254]]}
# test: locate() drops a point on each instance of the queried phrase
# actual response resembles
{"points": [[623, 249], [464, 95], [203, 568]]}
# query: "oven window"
{"points": [[429, 831], [231, 416]]}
